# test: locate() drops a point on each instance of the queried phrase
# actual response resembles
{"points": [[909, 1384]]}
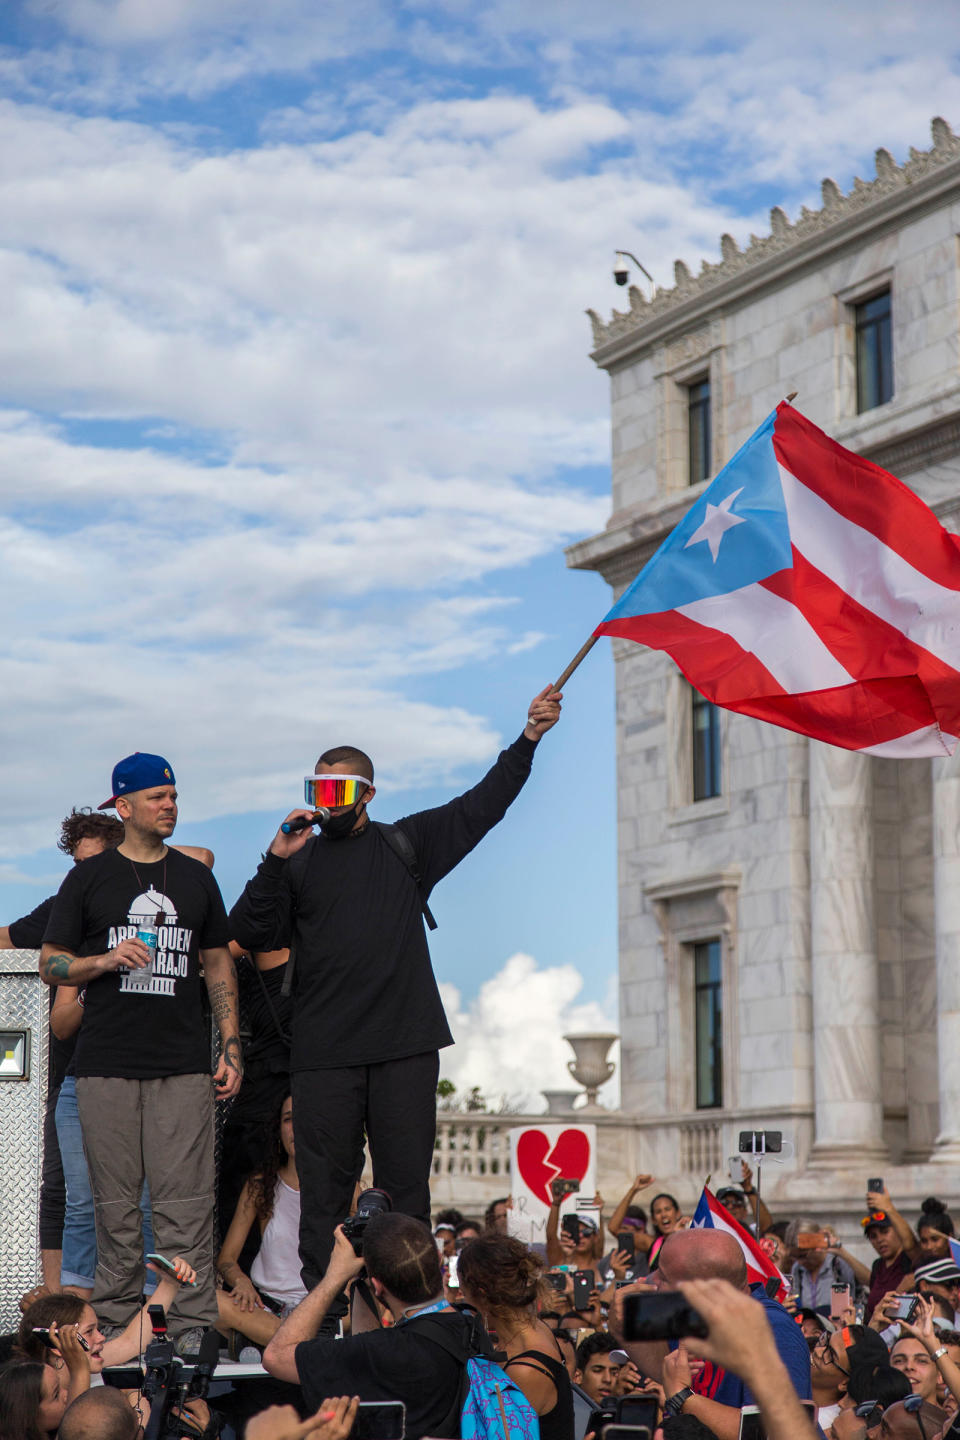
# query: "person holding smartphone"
{"points": [[815, 1269]]}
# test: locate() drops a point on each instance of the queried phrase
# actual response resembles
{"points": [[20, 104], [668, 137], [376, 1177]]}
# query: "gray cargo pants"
{"points": [[161, 1129]]}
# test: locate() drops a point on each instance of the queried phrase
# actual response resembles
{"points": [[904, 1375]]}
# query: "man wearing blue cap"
{"points": [[142, 928]]}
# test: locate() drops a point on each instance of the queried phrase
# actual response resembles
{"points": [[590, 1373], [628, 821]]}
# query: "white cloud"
{"points": [[509, 1038]]}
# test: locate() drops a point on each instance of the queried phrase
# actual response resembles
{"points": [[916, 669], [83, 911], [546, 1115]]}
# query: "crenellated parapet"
{"points": [[784, 234]]}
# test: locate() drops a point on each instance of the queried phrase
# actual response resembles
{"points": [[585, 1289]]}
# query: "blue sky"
{"points": [[297, 414]]}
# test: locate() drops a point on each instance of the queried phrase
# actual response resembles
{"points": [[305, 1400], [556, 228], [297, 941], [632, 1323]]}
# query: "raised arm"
{"points": [[861, 1272], [304, 1322], [880, 1199], [221, 981], [641, 1240]]}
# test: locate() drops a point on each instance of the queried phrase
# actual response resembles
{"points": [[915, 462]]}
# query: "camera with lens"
{"points": [[369, 1204]]}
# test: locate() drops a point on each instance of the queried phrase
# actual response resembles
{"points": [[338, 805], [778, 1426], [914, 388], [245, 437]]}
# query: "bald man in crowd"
{"points": [[713, 1395]]}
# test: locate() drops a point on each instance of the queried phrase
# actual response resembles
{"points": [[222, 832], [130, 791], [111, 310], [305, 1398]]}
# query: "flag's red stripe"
{"points": [[725, 672], [855, 717], [866, 645], [867, 495]]}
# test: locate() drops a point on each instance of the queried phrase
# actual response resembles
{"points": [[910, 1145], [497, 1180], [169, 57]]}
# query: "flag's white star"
{"points": [[716, 523]]}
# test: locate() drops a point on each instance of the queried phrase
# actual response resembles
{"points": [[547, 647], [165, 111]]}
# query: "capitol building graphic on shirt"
{"points": [[173, 946]]}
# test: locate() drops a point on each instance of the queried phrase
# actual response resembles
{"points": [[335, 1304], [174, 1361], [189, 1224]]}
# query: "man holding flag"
{"points": [[715, 1247]]}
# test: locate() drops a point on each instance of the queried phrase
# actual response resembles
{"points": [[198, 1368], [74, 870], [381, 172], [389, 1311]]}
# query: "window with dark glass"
{"points": [[706, 748], [698, 424], [708, 1010], [874, 352]]}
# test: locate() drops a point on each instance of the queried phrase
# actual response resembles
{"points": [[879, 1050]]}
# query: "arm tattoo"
{"points": [[232, 1055], [57, 967], [222, 999]]}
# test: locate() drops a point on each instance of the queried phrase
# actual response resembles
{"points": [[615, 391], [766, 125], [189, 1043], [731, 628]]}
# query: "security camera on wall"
{"points": [[620, 271]]}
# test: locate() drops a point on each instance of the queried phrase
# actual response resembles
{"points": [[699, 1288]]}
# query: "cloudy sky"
{"points": [[296, 412]]}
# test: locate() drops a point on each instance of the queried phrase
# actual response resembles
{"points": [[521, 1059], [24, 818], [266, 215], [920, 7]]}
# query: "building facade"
{"points": [[789, 912]]}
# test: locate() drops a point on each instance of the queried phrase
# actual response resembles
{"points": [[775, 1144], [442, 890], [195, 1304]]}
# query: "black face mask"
{"points": [[339, 826]]}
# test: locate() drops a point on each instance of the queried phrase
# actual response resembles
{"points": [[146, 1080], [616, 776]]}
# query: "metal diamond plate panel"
{"points": [[24, 1005]]}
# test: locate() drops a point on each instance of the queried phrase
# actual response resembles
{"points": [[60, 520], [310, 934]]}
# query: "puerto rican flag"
{"points": [[809, 588], [711, 1215]]}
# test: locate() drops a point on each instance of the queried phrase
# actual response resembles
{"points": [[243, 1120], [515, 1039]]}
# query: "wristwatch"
{"points": [[675, 1404], [942, 1351]]}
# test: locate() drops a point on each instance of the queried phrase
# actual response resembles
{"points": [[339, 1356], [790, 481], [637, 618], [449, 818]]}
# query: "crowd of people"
{"points": [[852, 1352], [318, 989]]}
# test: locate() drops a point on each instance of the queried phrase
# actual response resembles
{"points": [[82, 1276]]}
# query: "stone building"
{"points": [[789, 912]]}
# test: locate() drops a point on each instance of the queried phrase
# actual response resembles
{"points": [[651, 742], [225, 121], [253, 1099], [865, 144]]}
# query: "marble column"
{"points": [[846, 1015], [946, 891]]}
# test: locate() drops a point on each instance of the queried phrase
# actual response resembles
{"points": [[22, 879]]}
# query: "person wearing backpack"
{"points": [[425, 1358], [368, 1022], [501, 1277]]}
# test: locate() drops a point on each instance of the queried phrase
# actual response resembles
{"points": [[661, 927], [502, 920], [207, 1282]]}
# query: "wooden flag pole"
{"points": [[580, 656]]}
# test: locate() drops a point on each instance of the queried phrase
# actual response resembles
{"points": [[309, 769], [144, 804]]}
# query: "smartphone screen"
{"points": [[638, 1410]]}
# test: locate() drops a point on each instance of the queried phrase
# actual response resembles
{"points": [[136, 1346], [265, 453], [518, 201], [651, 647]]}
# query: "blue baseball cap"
{"points": [[138, 771]]}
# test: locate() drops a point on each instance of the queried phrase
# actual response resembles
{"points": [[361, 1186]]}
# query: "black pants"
{"points": [[53, 1189], [395, 1105]]}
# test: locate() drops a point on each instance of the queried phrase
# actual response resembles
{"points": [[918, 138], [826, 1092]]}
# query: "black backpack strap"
{"points": [[287, 985], [399, 843]]}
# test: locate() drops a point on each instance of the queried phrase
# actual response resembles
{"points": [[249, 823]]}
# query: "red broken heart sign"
{"points": [[570, 1158]]}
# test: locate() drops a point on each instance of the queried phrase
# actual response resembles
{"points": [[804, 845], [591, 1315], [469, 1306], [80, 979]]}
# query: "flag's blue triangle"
{"points": [[736, 534]]}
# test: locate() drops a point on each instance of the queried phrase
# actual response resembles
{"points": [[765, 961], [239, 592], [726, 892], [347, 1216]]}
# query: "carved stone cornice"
{"points": [[905, 454], [921, 179]]}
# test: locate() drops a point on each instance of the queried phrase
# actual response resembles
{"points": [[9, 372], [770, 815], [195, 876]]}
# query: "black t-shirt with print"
{"points": [[135, 1028]]}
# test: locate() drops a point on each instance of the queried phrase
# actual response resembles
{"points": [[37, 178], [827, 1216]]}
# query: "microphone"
{"points": [[205, 1366], [293, 827]]}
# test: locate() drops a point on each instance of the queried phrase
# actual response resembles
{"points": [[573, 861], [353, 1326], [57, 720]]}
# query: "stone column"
{"points": [[946, 891], [846, 1016]]}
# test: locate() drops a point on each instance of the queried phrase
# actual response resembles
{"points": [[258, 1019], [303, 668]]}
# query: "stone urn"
{"points": [[591, 1068], [559, 1102]]}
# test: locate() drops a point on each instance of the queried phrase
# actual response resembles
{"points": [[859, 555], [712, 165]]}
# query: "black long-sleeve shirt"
{"points": [[364, 986]]}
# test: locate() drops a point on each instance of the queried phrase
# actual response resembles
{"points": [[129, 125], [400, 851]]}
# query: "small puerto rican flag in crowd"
{"points": [[809, 588], [711, 1215], [954, 1251]]}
